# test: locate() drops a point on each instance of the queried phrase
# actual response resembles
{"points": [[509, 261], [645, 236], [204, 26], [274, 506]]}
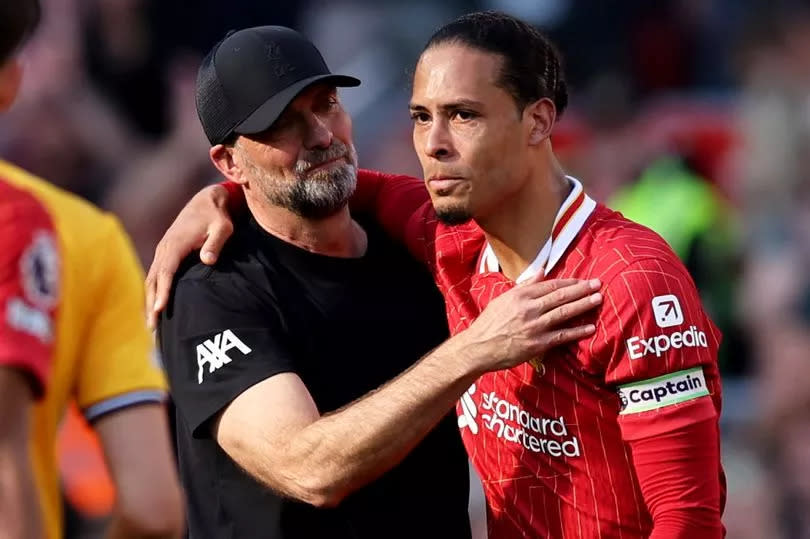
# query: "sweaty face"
{"points": [[306, 162], [467, 132]]}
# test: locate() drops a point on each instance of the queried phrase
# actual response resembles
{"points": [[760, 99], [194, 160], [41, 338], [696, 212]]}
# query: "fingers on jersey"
{"points": [[562, 305], [202, 224], [559, 292], [562, 336], [218, 233], [159, 281], [567, 303]]}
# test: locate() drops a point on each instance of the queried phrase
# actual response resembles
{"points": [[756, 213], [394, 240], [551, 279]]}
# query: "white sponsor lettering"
{"points": [[28, 319], [662, 391], [691, 338], [516, 425], [214, 352], [468, 411]]}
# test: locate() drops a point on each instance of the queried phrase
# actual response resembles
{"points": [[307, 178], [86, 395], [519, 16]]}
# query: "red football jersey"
{"points": [[549, 439], [29, 276]]}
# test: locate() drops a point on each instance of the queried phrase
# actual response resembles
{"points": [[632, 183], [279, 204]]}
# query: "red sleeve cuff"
{"points": [[668, 419]]}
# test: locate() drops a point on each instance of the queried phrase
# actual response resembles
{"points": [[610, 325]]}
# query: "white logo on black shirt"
{"points": [[214, 352]]}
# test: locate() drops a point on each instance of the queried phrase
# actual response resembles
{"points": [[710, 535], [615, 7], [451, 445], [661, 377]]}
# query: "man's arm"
{"points": [[139, 456], [400, 204], [19, 506], [274, 431], [678, 477], [674, 438]]}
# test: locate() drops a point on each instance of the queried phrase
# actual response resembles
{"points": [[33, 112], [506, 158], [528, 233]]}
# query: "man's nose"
{"points": [[318, 135], [438, 143]]}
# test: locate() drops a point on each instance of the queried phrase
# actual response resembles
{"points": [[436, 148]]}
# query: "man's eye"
{"points": [[420, 117], [464, 115]]}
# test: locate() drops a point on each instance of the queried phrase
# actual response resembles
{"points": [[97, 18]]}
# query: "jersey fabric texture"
{"points": [[104, 356], [345, 327]]}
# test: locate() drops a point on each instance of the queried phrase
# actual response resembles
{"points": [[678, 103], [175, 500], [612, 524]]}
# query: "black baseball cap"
{"points": [[248, 79]]}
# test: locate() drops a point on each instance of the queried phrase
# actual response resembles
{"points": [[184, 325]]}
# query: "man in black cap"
{"points": [[280, 355]]}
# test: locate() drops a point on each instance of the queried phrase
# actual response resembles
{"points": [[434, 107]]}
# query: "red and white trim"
{"points": [[570, 219]]}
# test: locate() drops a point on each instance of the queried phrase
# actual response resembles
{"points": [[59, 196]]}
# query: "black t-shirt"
{"points": [[345, 326]]}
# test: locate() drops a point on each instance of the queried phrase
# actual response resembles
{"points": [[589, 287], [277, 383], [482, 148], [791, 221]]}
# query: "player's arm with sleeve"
{"points": [[660, 350], [121, 390], [401, 204], [29, 288]]}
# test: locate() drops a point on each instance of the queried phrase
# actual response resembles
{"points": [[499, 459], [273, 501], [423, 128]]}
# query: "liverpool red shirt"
{"points": [[550, 440]]}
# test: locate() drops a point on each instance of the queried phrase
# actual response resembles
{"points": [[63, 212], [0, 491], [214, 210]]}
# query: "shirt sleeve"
{"points": [[119, 366], [401, 205], [217, 341], [29, 289], [678, 480], [658, 349]]}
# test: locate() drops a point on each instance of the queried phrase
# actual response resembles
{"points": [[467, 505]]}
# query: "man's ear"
{"points": [[10, 78], [223, 158], [541, 114]]}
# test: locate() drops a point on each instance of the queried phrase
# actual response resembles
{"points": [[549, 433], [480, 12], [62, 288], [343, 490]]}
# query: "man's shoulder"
{"points": [[68, 209], [19, 209], [238, 259], [227, 273], [457, 244], [613, 244]]}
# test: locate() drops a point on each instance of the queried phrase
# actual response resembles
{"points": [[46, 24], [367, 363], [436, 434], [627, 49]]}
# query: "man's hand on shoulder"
{"points": [[204, 223]]}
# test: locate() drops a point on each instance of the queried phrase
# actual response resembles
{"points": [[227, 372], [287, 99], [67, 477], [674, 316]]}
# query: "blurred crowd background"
{"points": [[690, 116]]}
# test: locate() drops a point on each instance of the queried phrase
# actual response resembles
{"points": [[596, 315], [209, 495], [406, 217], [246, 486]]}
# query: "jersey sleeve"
{"points": [[658, 349], [29, 288], [119, 367], [217, 341], [402, 206]]}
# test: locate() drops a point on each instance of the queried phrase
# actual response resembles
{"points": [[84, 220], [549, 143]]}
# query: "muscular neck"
{"points": [[519, 227], [337, 235]]}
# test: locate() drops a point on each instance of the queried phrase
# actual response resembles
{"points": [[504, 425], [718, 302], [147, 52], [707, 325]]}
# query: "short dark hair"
{"points": [[532, 66], [18, 20]]}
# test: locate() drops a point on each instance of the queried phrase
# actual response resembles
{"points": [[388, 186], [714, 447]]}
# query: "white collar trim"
{"points": [[563, 234]]}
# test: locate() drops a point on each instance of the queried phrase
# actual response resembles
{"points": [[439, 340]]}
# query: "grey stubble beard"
{"points": [[317, 195]]}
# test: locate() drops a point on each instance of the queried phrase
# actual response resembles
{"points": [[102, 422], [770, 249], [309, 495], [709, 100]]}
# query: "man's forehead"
{"points": [[456, 72]]}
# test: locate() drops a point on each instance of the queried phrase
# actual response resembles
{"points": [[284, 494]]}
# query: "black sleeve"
{"points": [[217, 340]]}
